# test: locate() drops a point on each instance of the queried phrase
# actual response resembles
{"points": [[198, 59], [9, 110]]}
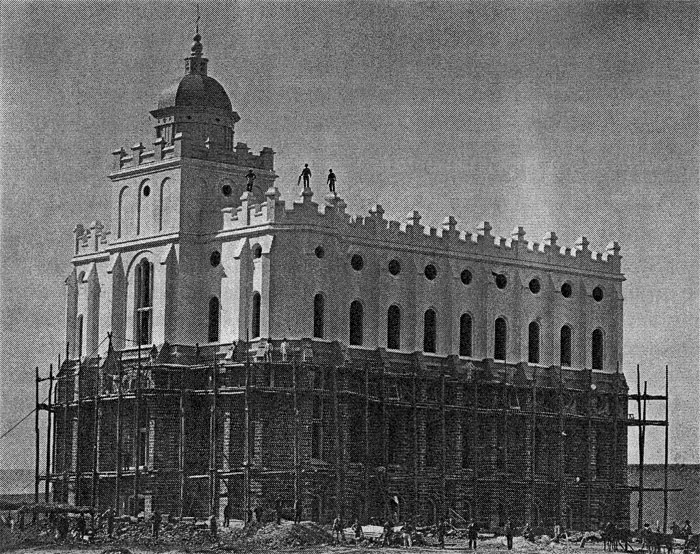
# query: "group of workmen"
{"points": [[305, 176]]}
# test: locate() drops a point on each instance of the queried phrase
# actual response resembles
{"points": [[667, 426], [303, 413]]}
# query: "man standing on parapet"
{"points": [[250, 176], [305, 175], [331, 181]]}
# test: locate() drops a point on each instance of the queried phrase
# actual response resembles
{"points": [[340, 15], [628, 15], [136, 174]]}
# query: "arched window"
{"points": [[255, 319], [597, 349], [143, 282], [465, 335], [565, 346], [356, 323], [393, 328], [533, 343], [500, 339], [79, 337], [429, 331], [318, 316], [213, 319]]}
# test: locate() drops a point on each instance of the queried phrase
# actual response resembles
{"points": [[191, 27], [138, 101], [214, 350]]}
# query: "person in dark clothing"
{"points": [[338, 532], [250, 177], [278, 510], [258, 514], [63, 527], [509, 534], [227, 515], [331, 180], [441, 529], [212, 526], [472, 534], [386, 537], [297, 512], [305, 176], [156, 524], [81, 525]]}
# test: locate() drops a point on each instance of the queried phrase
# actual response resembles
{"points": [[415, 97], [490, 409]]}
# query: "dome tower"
{"points": [[198, 107]]}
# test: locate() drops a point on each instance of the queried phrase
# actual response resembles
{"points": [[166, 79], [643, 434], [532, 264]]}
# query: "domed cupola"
{"points": [[197, 106]]}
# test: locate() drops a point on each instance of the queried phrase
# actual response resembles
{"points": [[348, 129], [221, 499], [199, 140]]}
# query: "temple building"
{"points": [[225, 347]]}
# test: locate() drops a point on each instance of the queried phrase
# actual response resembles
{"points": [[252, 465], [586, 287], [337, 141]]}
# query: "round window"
{"points": [[501, 281], [566, 290], [466, 276], [430, 272], [534, 286], [146, 190], [357, 262], [226, 190], [597, 294], [320, 252], [257, 252], [394, 267], [215, 258]]}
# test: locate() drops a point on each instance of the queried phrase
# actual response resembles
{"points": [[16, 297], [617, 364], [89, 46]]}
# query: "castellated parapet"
{"points": [[448, 240]]}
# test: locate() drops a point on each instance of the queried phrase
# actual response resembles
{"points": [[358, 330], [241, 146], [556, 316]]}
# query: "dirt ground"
{"points": [[308, 538]]}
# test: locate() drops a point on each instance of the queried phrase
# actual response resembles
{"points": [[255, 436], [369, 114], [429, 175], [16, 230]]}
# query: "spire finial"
{"points": [[196, 25], [196, 63]]}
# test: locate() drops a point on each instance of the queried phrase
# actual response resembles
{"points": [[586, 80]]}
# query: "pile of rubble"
{"points": [[271, 536]]}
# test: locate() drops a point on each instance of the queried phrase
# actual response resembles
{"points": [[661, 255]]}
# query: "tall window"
{"points": [[79, 337], [214, 319], [465, 335], [318, 316], [143, 281], [500, 339], [429, 331], [356, 323], [597, 349], [393, 328], [565, 346], [533, 343], [255, 320]]}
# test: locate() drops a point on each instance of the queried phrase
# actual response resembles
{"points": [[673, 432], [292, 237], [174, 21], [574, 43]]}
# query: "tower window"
{"points": [[597, 349], [226, 190], [143, 281], [533, 343], [255, 320], [566, 290], [500, 339], [465, 335], [430, 272], [213, 332], [257, 252], [146, 191], [215, 258], [565, 346], [318, 316], [394, 267], [501, 281], [534, 286], [393, 329], [597, 294], [79, 338], [466, 276], [320, 252], [429, 331], [356, 323]]}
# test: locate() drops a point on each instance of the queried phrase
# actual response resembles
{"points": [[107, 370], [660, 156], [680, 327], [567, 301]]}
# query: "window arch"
{"points": [[121, 212], [393, 328], [597, 349], [429, 331], [255, 319], [213, 333], [465, 335], [143, 283], [565, 346], [318, 315], [533, 343], [356, 323], [500, 339]]}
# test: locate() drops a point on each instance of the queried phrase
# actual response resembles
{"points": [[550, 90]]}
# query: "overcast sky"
{"points": [[577, 117]]}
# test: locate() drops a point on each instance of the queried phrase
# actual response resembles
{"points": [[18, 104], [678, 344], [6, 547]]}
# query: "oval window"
{"points": [[226, 190], [357, 262], [597, 294], [430, 272], [534, 286], [320, 252], [215, 258], [501, 281], [257, 252], [146, 190], [466, 276], [566, 290], [394, 267]]}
